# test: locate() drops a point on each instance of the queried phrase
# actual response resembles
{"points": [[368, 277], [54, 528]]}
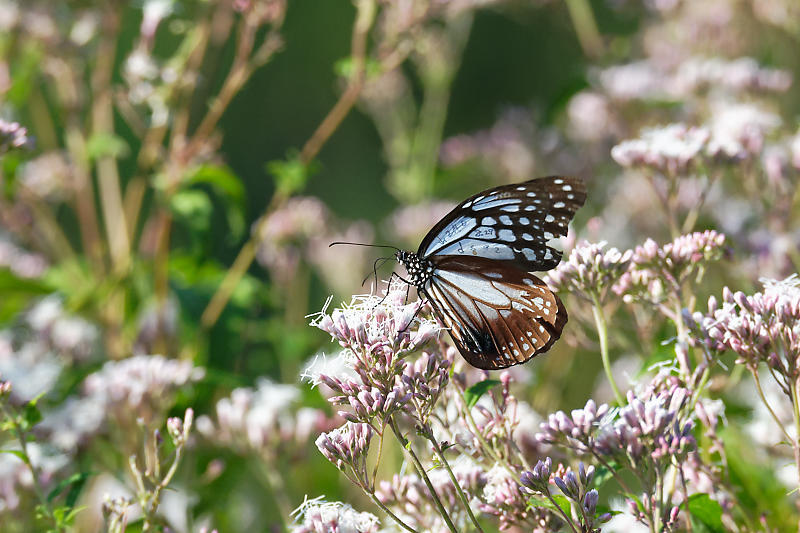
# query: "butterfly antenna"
{"points": [[364, 244]]}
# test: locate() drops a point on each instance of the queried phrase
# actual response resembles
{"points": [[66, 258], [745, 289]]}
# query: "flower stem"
{"points": [[390, 513], [567, 519], [602, 333], [580, 11], [456, 484], [796, 413], [404, 443], [777, 420], [22, 437]]}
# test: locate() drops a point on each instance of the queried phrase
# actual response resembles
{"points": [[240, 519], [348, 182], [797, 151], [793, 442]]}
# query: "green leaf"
{"points": [[102, 145], [291, 174], [563, 502], [31, 414], [17, 293], [193, 207], [707, 512], [18, 453], [220, 178], [474, 393], [541, 502], [344, 67], [228, 187], [74, 481], [603, 474]]}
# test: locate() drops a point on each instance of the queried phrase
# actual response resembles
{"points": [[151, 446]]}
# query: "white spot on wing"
{"points": [[510, 208], [506, 235], [527, 236], [524, 221], [505, 219], [488, 221], [549, 218]]}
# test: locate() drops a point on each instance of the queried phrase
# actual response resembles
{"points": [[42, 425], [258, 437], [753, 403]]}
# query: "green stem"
{"points": [[701, 386], [456, 484], [26, 458], [391, 514], [567, 519], [761, 395], [602, 333], [796, 413], [585, 27], [405, 444]]}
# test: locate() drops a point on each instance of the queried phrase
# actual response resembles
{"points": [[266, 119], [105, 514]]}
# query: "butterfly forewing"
{"points": [[509, 223], [498, 315]]}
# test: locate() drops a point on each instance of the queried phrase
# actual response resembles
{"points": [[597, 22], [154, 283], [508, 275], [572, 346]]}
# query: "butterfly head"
{"points": [[419, 270]]}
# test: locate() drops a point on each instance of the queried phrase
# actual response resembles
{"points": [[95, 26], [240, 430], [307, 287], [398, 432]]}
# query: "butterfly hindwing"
{"points": [[498, 315], [509, 223]]}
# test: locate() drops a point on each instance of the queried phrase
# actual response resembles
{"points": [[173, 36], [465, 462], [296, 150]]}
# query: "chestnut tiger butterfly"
{"points": [[474, 268]]}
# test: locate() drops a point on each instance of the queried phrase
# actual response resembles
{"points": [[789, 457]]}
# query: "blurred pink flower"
{"points": [[671, 149], [738, 130]]}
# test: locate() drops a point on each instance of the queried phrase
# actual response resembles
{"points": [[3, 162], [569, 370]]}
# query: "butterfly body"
{"points": [[474, 268]]}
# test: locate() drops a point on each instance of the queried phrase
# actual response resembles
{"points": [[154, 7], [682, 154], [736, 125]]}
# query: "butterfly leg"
{"points": [[394, 275], [413, 317]]}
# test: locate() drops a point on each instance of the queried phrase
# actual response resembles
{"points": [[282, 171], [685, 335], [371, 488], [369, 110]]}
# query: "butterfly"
{"points": [[474, 268]]}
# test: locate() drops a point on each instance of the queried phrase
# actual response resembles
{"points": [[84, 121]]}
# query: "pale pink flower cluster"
{"points": [[347, 448], [21, 262], [377, 334], [262, 420], [140, 387], [409, 496], [738, 130], [320, 516], [667, 80], [762, 327], [13, 136], [378, 330], [49, 176], [505, 148], [283, 236], [656, 272], [590, 270], [671, 149], [410, 223]]}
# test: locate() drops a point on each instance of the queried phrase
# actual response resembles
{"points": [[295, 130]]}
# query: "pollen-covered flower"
{"points": [[590, 270], [320, 516], [376, 334]]}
